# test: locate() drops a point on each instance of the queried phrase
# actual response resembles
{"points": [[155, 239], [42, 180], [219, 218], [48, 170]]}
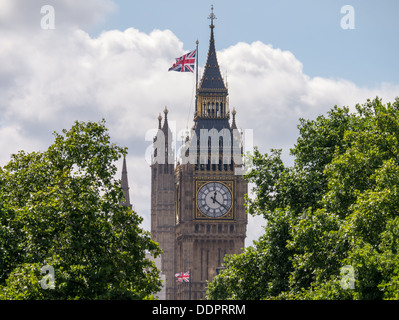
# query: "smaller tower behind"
{"points": [[163, 201]]}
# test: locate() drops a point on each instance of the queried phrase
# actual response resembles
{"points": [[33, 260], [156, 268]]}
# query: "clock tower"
{"points": [[210, 219]]}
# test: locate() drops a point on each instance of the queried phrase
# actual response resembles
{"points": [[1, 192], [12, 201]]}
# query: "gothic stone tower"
{"points": [[198, 212], [163, 202]]}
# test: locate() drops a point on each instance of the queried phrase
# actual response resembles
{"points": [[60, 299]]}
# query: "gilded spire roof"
{"points": [[212, 80], [211, 118]]}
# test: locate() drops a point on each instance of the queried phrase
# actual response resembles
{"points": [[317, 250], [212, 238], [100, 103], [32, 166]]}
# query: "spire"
{"points": [[168, 135], [166, 111], [234, 125], [212, 80], [160, 121], [211, 98], [125, 185], [212, 112], [165, 127]]}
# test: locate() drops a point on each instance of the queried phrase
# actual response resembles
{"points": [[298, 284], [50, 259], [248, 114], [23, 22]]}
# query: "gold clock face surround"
{"points": [[214, 199]]}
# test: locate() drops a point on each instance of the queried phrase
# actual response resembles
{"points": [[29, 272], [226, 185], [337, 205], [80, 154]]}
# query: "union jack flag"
{"points": [[185, 63], [183, 276]]}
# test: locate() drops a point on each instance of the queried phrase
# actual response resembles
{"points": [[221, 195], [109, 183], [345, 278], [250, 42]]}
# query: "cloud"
{"points": [[50, 78], [26, 15], [120, 76], [270, 92]]}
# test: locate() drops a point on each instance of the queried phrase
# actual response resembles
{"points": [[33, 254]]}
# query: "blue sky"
{"points": [[310, 29]]}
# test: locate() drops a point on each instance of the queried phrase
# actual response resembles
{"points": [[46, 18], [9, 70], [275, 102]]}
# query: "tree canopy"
{"points": [[61, 209], [332, 218]]}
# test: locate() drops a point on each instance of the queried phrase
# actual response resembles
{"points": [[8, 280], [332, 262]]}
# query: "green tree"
{"points": [[340, 202], [259, 272], [61, 208]]}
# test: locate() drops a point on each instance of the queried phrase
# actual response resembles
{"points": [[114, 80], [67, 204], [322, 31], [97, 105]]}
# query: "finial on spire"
{"points": [[166, 111], [159, 119], [234, 125], [212, 17]]}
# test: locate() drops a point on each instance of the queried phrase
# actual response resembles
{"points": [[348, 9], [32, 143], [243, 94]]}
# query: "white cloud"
{"points": [[121, 76], [26, 15], [13, 139], [49, 79], [270, 92]]}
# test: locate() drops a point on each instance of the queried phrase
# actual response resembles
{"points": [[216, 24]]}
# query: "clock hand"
{"points": [[214, 199]]}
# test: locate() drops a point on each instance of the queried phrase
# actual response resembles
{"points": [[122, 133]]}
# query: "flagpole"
{"points": [[189, 286], [196, 69]]}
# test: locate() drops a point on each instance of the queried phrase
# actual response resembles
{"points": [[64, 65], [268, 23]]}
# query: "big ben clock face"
{"points": [[214, 199]]}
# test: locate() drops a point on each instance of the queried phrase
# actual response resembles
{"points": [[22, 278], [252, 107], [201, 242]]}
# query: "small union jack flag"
{"points": [[183, 277], [185, 63]]}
